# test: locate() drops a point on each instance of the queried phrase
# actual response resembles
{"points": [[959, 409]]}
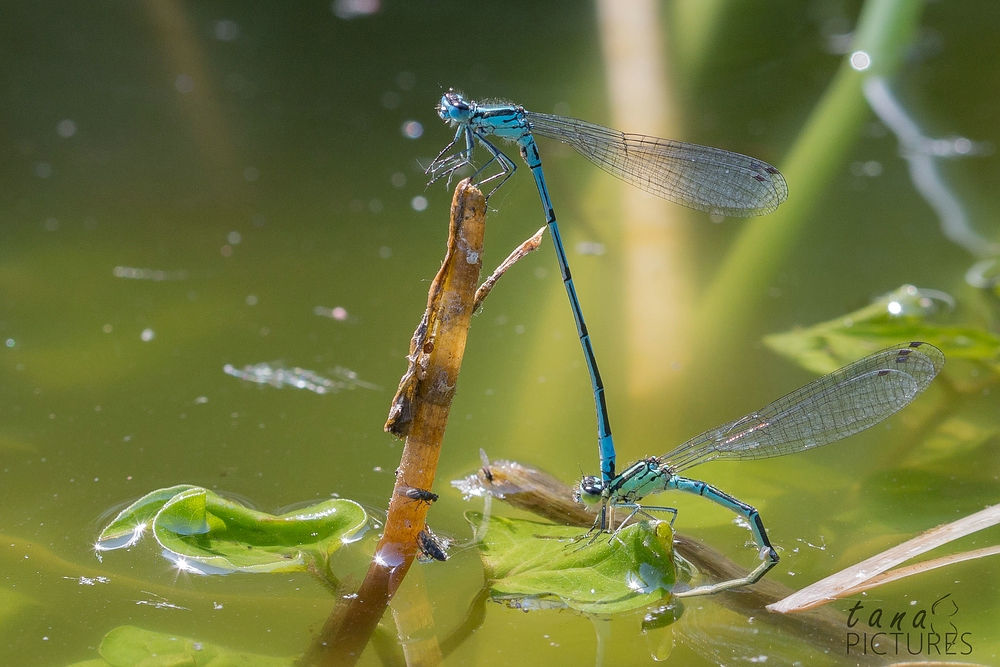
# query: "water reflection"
{"points": [[923, 154], [299, 378]]}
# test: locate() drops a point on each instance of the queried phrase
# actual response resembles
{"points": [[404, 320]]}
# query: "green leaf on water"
{"points": [[132, 522], [129, 646], [534, 565], [204, 532], [900, 316]]}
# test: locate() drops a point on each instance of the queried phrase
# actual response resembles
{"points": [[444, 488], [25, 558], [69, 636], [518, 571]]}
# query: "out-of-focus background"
{"points": [[188, 187]]}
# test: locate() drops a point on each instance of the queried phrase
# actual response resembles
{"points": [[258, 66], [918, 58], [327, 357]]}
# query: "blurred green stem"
{"points": [[884, 32], [695, 24]]}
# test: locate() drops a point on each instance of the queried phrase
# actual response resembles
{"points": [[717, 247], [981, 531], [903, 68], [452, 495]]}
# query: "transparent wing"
{"points": [[702, 178], [835, 406]]}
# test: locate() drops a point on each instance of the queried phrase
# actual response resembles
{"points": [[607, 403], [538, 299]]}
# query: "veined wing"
{"points": [[837, 405], [700, 177]]}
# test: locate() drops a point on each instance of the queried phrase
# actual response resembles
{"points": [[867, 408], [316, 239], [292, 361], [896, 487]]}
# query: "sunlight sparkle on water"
{"points": [[388, 557], [860, 61], [300, 378], [184, 84], [634, 583], [339, 313], [111, 544], [226, 31], [182, 565], [412, 129], [155, 275], [66, 128]]}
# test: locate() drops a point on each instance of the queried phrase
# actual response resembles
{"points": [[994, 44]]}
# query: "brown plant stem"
{"points": [[420, 413]]}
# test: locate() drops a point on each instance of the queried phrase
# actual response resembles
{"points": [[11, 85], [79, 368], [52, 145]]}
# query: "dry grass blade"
{"points": [[857, 577], [917, 568]]}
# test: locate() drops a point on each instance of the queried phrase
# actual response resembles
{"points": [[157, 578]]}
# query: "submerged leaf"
{"points": [[534, 565], [203, 532], [902, 315], [129, 646], [954, 437], [13, 603]]}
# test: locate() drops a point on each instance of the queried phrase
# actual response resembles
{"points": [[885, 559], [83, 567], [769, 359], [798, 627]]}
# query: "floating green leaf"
{"points": [[900, 316], [534, 565], [132, 522], [129, 646], [203, 532]]}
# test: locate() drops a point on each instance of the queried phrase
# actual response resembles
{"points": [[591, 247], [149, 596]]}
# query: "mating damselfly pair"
{"points": [[699, 177], [833, 407]]}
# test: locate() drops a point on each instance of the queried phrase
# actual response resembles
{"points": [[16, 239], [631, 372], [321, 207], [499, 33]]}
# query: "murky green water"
{"points": [[185, 184]]}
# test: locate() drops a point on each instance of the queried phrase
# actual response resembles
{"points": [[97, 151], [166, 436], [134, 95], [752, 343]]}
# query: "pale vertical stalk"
{"points": [[657, 285], [177, 35]]}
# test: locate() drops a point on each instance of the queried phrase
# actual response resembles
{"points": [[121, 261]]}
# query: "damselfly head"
{"points": [[591, 490], [453, 108]]}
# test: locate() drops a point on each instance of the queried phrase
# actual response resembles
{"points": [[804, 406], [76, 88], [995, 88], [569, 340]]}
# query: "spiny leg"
{"points": [[507, 166], [600, 526], [752, 516], [439, 161], [447, 165]]}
